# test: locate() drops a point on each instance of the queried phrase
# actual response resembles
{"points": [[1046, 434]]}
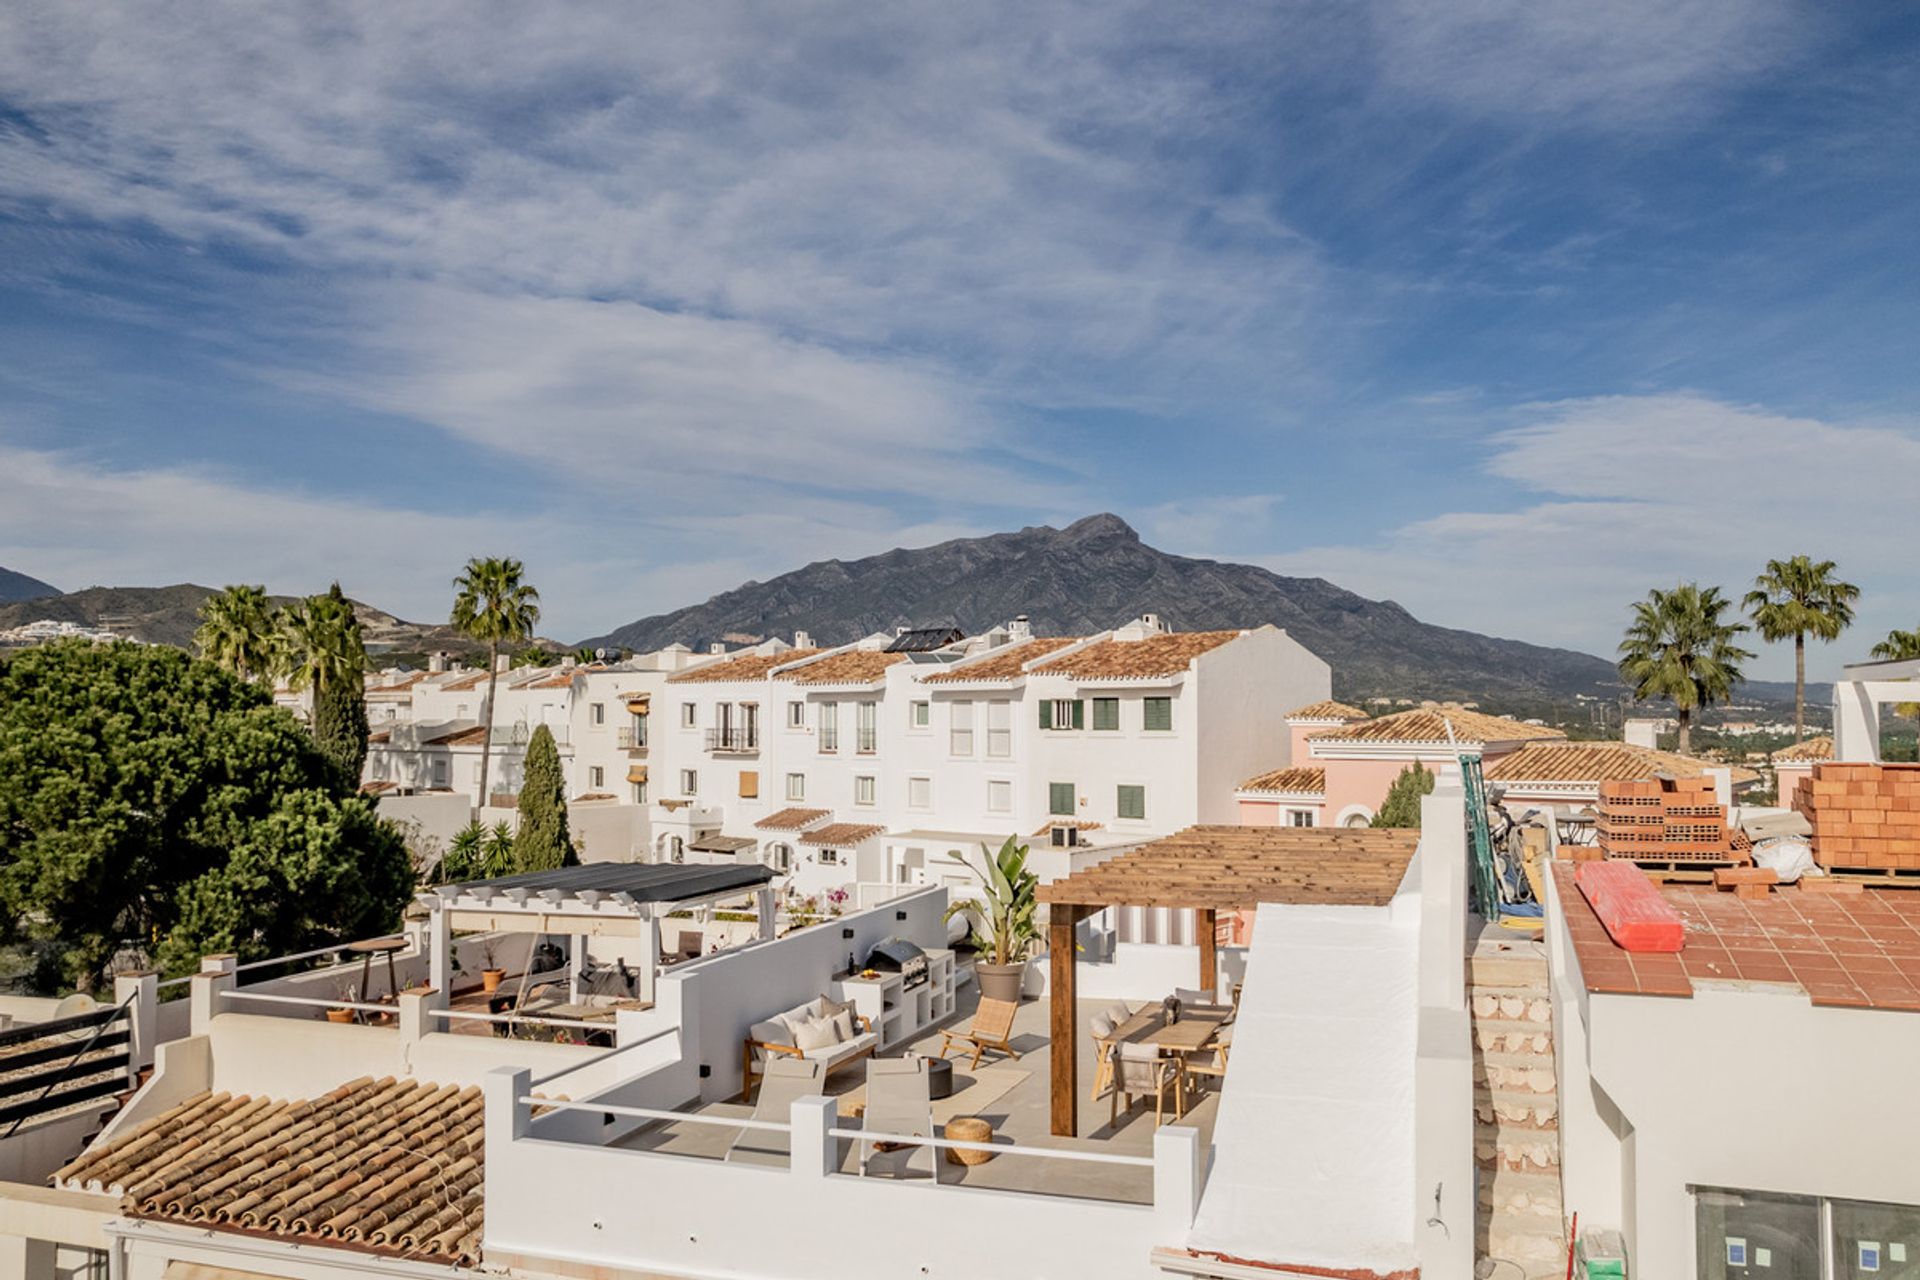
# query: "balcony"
{"points": [[734, 740], [634, 740]]}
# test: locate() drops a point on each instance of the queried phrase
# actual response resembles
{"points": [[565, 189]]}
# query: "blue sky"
{"points": [[1503, 311]]}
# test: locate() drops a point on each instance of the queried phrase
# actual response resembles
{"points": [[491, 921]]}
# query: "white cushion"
{"points": [[772, 1031], [843, 1025], [815, 1033]]}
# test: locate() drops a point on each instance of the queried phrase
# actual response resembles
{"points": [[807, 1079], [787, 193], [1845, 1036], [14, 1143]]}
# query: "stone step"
{"points": [[1521, 1194], [1518, 1150], [1514, 1072], [1536, 1245], [1511, 1004], [1507, 970], [1505, 1035]]}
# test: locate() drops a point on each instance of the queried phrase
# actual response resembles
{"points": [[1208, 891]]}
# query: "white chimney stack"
{"points": [[716, 648], [1021, 630], [803, 640], [437, 662], [503, 662]]}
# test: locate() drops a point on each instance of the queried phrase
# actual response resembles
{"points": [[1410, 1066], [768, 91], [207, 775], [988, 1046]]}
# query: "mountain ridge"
{"points": [[15, 585]]}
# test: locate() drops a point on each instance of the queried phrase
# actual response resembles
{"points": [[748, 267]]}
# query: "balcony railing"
{"points": [[632, 739], [733, 738]]}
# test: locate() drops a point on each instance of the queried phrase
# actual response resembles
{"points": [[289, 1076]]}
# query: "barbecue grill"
{"points": [[896, 955]]}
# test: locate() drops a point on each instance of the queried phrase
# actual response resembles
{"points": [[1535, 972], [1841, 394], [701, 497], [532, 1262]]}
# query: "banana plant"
{"points": [[1007, 903]]}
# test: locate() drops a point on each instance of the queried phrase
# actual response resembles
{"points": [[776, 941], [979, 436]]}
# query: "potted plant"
{"points": [[491, 974], [340, 1012], [1004, 915]]}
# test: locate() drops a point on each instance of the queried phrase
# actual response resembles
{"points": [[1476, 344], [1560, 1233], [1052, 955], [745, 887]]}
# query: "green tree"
{"points": [[1901, 646], [542, 842], [1678, 647], [1401, 808], [466, 853], [493, 606], [326, 654], [497, 857], [157, 803], [1798, 598], [240, 630]]}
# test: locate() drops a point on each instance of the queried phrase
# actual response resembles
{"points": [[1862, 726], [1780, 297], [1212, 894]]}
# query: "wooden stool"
{"points": [[968, 1129]]}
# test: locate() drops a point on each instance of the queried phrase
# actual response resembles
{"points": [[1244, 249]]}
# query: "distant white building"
{"points": [[45, 629]]}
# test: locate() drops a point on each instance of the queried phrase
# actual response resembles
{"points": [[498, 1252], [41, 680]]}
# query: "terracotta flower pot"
{"points": [[1000, 981], [339, 1015], [490, 979]]}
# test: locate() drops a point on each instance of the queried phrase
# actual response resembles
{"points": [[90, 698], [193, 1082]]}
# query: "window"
{"points": [[599, 713], [460, 711], [866, 734], [1063, 713], [1106, 713], [689, 782], [999, 729], [639, 793], [1060, 799], [828, 720], [919, 793], [1131, 802], [780, 857], [749, 784], [960, 729], [750, 725], [1157, 714], [920, 714], [1300, 817], [999, 796], [596, 777], [1733, 1229], [439, 773], [637, 732], [828, 857], [689, 715], [796, 786], [863, 789], [796, 715]]}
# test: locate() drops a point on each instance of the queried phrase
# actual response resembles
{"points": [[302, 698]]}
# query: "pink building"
{"points": [[1790, 764]]}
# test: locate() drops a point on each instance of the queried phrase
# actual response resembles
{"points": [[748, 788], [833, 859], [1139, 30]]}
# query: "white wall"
{"points": [[1243, 693]]}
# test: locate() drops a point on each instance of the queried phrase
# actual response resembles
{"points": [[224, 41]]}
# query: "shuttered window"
{"points": [[1131, 802], [1106, 713], [1063, 713], [749, 784], [1060, 799], [1157, 713]]}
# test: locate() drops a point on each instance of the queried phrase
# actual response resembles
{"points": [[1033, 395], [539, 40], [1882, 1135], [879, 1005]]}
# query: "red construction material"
{"points": [[1635, 915]]}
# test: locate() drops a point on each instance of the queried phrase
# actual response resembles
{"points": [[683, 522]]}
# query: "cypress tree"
{"points": [[340, 726], [542, 842], [1401, 808]]}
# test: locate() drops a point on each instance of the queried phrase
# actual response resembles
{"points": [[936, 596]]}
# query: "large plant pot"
{"points": [[490, 979], [1000, 981]]}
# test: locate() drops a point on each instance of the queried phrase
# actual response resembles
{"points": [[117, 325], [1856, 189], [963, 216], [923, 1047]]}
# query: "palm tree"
{"points": [[1678, 648], [321, 642], [239, 629], [1798, 598], [1901, 646], [492, 605]]}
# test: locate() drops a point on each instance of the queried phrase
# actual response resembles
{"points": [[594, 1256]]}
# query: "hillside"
{"points": [[18, 586], [1097, 573]]}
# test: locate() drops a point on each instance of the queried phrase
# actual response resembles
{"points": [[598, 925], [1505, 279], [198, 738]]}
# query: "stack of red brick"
{"points": [[1863, 815], [1665, 820]]}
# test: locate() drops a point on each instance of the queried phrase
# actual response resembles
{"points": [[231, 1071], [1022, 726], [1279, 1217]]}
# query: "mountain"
{"points": [[169, 615], [1097, 573], [18, 586]]}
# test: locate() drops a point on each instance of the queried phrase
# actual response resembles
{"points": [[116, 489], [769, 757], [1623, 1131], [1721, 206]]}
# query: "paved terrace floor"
{"points": [[1012, 1095]]}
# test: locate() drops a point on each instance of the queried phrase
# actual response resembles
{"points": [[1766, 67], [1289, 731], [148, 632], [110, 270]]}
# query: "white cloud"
{"points": [[1208, 526], [1614, 495]]}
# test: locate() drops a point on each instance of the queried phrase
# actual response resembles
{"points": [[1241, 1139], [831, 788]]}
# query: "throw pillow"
{"points": [[843, 1025], [815, 1033]]}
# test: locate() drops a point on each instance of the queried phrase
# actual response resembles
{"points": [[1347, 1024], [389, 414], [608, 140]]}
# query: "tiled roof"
{"points": [[472, 736], [377, 685], [1429, 724], [748, 666], [380, 735], [1004, 663], [1327, 709], [1576, 762], [855, 666], [594, 795], [1851, 951], [377, 788], [791, 819], [1065, 822], [1297, 779], [838, 835], [391, 1167], [471, 680], [1813, 750], [1157, 655]]}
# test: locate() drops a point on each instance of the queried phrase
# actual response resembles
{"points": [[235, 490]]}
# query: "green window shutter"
{"points": [[1079, 714], [1131, 802], [1106, 713], [1157, 713], [1046, 713], [1060, 799]]}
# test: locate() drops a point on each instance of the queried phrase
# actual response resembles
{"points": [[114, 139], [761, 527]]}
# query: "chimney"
{"points": [[716, 648], [437, 662], [568, 663], [1021, 630], [803, 640], [1150, 622], [503, 662]]}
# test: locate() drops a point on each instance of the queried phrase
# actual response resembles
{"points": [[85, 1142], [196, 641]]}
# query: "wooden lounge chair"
{"points": [[992, 1027], [787, 1080]]}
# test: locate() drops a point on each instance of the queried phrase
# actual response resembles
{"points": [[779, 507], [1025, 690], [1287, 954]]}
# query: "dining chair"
{"points": [[1103, 1027], [1139, 1071], [1210, 1062]]}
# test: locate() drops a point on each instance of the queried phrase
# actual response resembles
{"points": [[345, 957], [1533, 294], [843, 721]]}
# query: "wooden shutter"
{"points": [[1079, 714], [749, 784], [1046, 713]]}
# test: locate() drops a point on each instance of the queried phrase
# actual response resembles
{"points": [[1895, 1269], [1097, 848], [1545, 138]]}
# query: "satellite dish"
{"points": [[74, 1005]]}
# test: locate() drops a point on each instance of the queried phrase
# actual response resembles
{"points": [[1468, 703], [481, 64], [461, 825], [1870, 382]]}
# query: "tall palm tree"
{"points": [[1800, 597], [323, 649], [1679, 648], [1901, 646], [239, 629], [492, 605]]}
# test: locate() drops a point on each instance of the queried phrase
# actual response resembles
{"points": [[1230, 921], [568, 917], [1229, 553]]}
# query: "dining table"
{"points": [[1195, 1028]]}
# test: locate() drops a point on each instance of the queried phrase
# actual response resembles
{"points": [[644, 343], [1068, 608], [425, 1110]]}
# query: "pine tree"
{"points": [[542, 842], [1401, 808]]}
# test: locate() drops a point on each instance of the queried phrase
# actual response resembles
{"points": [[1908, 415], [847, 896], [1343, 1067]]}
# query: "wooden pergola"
{"points": [[1208, 870]]}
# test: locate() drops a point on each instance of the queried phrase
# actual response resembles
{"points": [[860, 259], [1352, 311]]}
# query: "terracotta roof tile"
{"points": [[1004, 663], [1297, 779], [1429, 724], [471, 736], [468, 680], [1327, 709], [749, 666], [1813, 750], [390, 1167], [791, 819], [855, 666], [1577, 762], [1157, 655], [1064, 822], [838, 835], [1851, 951]]}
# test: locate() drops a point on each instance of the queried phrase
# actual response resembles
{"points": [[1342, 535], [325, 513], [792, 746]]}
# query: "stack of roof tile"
{"points": [[1863, 815], [1664, 820]]}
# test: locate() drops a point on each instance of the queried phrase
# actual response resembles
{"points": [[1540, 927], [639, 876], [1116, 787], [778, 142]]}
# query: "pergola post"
{"points": [[1061, 1030], [1206, 925]]}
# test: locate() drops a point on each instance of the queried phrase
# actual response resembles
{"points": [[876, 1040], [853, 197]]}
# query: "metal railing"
{"points": [[74, 1080], [631, 739], [733, 738]]}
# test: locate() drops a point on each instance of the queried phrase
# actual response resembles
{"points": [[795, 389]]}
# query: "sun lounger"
{"points": [[786, 1081], [898, 1102]]}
